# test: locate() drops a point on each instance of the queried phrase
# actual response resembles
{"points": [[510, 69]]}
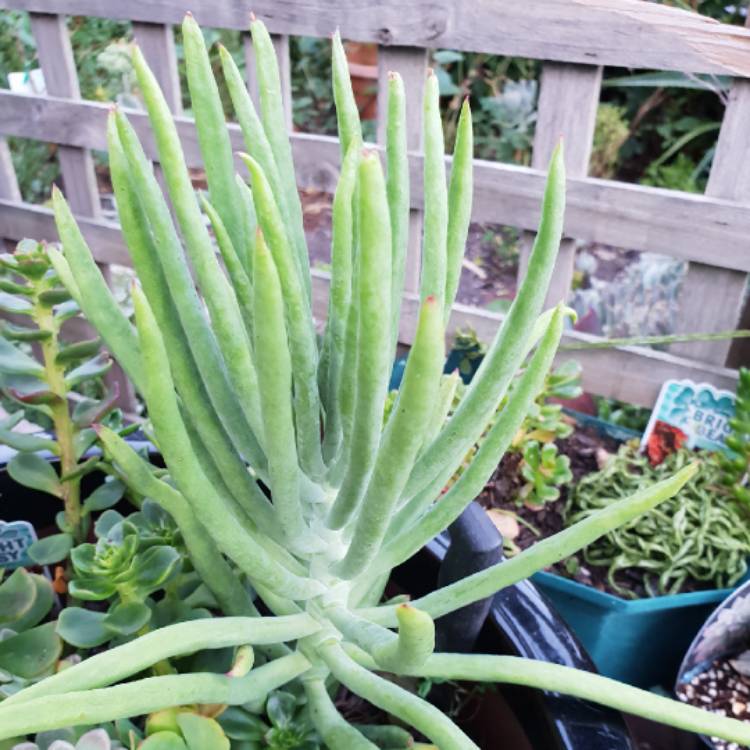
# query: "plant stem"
{"points": [[54, 375], [543, 554], [120, 662], [394, 699], [674, 338], [587, 685], [148, 695]]}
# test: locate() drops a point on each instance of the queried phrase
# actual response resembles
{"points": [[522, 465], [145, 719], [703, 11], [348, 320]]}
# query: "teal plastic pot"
{"points": [[638, 641]]}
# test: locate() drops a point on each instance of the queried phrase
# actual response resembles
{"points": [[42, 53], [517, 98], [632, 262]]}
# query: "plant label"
{"points": [[15, 539], [694, 415]]}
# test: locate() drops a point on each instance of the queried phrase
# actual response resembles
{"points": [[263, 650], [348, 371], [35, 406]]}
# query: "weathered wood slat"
{"points": [[8, 182], [28, 220], [568, 100], [711, 299], [628, 33], [156, 41], [693, 227], [627, 373], [631, 374], [411, 63], [61, 79]]}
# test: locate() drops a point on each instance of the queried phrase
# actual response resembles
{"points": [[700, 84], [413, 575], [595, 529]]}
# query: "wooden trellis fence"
{"points": [[573, 38]]}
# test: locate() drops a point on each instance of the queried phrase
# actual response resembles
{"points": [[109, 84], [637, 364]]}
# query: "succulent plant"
{"points": [[31, 288], [128, 563], [286, 724], [96, 739], [241, 397], [469, 351], [28, 650], [736, 464], [544, 471], [699, 534], [183, 730], [642, 300]]}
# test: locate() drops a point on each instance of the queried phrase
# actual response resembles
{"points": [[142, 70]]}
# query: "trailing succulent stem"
{"points": [[43, 391], [242, 398]]}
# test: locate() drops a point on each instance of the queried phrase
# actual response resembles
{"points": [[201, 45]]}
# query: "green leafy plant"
{"points": [[681, 174], [128, 563], [28, 650], [94, 739], [184, 730], [313, 109], [736, 463], [236, 392], [610, 132], [286, 724], [470, 351], [169, 730], [622, 414], [542, 467], [544, 471], [503, 90], [699, 534], [32, 290]]}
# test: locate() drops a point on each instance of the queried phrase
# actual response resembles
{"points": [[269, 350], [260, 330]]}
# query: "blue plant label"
{"points": [[15, 539], [694, 415]]}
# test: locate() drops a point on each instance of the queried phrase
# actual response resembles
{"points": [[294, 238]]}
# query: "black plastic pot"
{"points": [[517, 621]]}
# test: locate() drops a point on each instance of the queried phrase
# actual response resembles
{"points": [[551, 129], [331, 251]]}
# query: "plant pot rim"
{"points": [[609, 601]]}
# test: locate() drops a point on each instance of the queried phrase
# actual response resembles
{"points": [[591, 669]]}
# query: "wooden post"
{"points": [[156, 42], [60, 77], [76, 165], [712, 298], [411, 64], [8, 183], [568, 101]]}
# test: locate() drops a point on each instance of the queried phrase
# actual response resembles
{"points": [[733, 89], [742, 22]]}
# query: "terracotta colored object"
{"points": [[363, 66], [664, 439]]}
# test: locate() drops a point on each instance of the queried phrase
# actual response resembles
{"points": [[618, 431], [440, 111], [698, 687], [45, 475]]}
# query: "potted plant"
{"points": [[637, 596], [636, 583], [714, 672], [661, 575], [235, 392]]}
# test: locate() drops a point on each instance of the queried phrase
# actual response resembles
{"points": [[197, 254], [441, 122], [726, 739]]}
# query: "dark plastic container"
{"points": [[519, 621]]}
